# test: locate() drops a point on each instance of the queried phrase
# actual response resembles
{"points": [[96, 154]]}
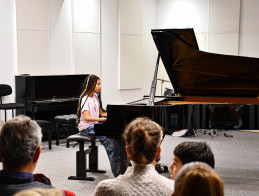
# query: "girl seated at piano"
{"points": [[90, 112], [142, 138]]}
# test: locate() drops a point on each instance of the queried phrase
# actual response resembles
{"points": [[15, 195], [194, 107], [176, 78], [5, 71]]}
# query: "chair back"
{"points": [[5, 89]]}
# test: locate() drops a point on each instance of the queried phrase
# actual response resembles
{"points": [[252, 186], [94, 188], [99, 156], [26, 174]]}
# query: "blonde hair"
{"points": [[197, 178], [40, 192]]}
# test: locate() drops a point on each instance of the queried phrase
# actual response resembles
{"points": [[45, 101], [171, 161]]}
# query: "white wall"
{"points": [[60, 37], [32, 36], [182, 14], [64, 38], [249, 29], [111, 50], [223, 29], [215, 26], [86, 36], [8, 56]]}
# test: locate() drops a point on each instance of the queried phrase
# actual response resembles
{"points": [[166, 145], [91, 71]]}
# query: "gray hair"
{"points": [[19, 139]]}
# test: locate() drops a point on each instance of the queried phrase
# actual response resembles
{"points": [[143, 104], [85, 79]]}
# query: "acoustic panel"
{"points": [[130, 16], [86, 15], [87, 53], [224, 16], [33, 52], [60, 37], [32, 14], [130, 62], [183, 14], [224, 43], [249, 30]]}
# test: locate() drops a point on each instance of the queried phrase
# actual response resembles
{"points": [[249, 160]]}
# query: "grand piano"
{"points": [[214, 91], [210, 88], [46, 96]]}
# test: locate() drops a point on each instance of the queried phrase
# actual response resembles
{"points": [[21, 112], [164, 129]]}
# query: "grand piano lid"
{"points": [[198, 73]]}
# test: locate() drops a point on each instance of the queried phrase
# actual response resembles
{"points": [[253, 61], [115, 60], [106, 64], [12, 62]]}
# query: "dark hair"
{"points": [[198, 179], [194, 151], [88, 87], [142, 138]]}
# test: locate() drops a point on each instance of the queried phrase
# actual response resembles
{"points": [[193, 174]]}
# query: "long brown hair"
{"points": [[88, 87], [142, 137], [198, 179]]}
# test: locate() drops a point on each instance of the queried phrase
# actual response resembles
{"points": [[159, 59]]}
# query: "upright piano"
{"points": [[214, 91], [46, 96]]}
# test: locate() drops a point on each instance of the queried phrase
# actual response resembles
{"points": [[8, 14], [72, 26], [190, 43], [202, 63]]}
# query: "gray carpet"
{"points": [[237, 162]]}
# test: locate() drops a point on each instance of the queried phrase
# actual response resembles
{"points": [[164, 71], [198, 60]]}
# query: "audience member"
{"points": [[20, 148], [40, 192], [187, 152], [142, 138], [198, 179]]}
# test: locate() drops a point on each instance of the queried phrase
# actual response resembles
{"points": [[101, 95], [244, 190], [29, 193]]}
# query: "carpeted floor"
{"points": [[237, 162]]}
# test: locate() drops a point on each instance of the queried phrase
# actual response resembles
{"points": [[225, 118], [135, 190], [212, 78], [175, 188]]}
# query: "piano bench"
{"points": [[66, 121], [81, 161], [46, 127]]}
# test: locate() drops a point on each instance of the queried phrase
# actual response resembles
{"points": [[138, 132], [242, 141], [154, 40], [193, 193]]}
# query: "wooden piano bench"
{"points": [[81, 161], [65, 121], [46, 127]]}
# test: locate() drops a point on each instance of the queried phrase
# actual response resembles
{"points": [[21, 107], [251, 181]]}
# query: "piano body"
{"points": [[47, 96], [214, 91]]}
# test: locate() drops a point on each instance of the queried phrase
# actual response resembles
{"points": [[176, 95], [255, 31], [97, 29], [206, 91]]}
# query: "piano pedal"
{"points": [[161, 168]]}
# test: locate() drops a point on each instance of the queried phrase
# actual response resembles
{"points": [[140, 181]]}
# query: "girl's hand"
{"points": [[103, 119]]}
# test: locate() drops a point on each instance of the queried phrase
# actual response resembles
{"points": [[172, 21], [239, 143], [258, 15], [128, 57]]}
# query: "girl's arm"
{"points": [[91, 118], [102, 113]]}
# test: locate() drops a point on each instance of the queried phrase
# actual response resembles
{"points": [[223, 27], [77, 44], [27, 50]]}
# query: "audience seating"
{"points": [[81, 161]]}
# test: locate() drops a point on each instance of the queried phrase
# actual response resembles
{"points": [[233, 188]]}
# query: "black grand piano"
{"points": [[207, 85], [214, 91]]}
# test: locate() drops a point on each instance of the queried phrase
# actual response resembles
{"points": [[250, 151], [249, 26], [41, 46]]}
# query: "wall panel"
{"points": [[32, 14], [86, 16], [33, 52], [87, 53], [130, 44], [130, 60]]}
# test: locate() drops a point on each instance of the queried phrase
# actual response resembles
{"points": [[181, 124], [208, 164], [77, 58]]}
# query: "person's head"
{"points": [[187, 152], [143, 137], [20, 143], [40, 192], [197, 178], [92, 84]]}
